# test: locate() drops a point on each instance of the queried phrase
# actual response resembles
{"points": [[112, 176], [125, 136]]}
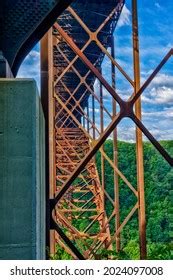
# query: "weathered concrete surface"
{"points": [[5, 71], [22, 201]]}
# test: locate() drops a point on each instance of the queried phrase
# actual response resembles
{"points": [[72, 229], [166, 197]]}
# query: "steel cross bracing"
{"points": [[81, 208]]}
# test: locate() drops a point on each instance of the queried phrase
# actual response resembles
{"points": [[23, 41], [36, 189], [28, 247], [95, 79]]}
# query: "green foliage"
{"points": [[61, 254], [159, 251], [158, 184], [132, 250], [112, 255]]}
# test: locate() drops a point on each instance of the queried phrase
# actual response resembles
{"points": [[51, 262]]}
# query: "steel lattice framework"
{"points": [[72, 55]]}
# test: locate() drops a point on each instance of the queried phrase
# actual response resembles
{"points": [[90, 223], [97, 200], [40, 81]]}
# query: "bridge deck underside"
{"points": [[88, 213], [81, 211], [93, 14]]}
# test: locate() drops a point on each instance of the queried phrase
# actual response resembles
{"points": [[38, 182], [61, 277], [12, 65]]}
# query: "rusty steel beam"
{"points": [[125, 106], [87, 62], [79, 190], [139, 142], [45, 101], [115, 153]]}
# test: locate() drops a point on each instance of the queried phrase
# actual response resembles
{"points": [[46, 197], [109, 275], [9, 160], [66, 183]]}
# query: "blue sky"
{"points": [[156, 39]]}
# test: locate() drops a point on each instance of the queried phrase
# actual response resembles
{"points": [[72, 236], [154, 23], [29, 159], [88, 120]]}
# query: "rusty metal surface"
{"points": [[80, 194]]}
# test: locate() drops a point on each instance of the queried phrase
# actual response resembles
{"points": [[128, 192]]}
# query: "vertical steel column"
{"points": [[93, 116], [139, 143], [88, 116], [88, 171], [83, 121], [115, 152], [44, 101], [48, 108], [102, 148]]}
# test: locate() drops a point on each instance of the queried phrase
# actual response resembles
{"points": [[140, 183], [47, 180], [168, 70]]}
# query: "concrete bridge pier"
{"points": [[22, 171]]}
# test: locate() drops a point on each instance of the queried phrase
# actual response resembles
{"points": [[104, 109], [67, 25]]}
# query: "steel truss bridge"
{"points": [[72, 53]]}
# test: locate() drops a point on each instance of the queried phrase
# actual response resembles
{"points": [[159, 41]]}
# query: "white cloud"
{"points": [[96, 110], [162, 95], [148, 49], [159, 122], [157, 5], [167, 113], [160, 91], [161, 134], [30, 67], [126, 132], [159, 95], [124, 17], [33, 55], [163, 80]]}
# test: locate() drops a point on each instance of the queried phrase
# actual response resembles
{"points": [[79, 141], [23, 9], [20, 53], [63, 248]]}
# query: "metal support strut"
{"points": [[82, 211]]}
